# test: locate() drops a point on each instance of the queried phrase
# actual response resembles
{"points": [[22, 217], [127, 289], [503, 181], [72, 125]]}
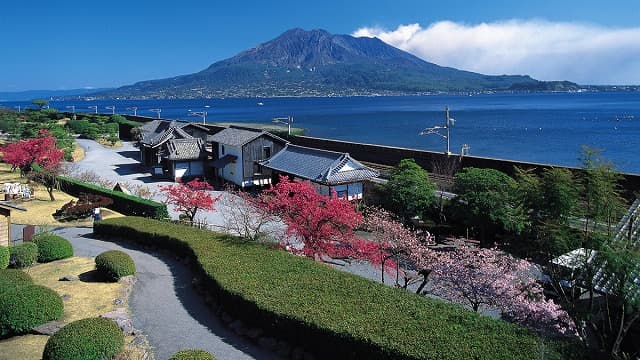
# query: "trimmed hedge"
{"points": [[335, 314], [13, 278], [52, 247], [115, 264], [4, 257], [23, 255], [91, 338], [122, 203], [25, 307], [192, 354]]}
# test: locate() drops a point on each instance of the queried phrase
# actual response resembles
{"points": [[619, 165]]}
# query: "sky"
{"points": [[75, 44]]}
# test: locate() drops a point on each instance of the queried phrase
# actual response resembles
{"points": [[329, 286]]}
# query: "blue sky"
{"points": [[73, 44]]}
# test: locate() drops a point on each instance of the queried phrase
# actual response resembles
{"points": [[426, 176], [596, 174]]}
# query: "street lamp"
{"points": [[73, 110], [112, 108], [202, 114], [134, 109], [448, 123], [95, 108], [157, 111], [285, 120], [18, 107]]}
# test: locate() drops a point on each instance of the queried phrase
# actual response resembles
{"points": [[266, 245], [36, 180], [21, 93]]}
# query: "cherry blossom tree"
{"points": [[323, 224], [399, 248], [488, 278], [190, 197], [243, 216]]}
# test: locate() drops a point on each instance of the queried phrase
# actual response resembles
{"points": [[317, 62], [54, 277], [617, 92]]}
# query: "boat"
{"points": [[260, 103]]}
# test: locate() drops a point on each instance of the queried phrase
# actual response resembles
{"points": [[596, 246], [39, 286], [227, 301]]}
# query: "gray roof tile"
{"points": [[320, 166], [186, 149], [238, 136]]}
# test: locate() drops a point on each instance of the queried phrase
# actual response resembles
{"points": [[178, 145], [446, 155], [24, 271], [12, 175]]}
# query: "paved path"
{"points": [[165, 307]]}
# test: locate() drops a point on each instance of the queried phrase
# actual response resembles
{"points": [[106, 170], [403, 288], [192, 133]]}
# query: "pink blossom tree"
{"points": [[489, 278], [190, 197]]}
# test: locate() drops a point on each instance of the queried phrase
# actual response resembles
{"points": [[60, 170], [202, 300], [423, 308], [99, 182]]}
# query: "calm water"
{"points": [[544, 128]]}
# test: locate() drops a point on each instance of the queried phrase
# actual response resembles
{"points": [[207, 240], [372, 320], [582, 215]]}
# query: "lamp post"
{"points": [[18, 107], [95, 108], [448, 123], [73, 111], [112, 108], [285, 120], [202, 114], [157, 111], [134, 109]]}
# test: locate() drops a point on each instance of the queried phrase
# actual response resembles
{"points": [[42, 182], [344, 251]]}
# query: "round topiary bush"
{"points": [[192, 355], [91, 338], [25, 307], [23, 255], [13, 278], [115, 264], [52, 247], [4, 257]]}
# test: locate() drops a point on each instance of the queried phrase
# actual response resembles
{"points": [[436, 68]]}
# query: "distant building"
{"points": [[237, 152], [174, 149], [329, 170]]}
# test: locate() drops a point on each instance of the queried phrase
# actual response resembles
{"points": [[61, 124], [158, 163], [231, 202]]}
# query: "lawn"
{"points": [[86, 298], [40, 208]]}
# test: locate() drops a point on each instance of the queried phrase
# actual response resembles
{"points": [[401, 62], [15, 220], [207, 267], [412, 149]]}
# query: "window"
{"points": [[222, 149], [266, 152], [342, 194]]}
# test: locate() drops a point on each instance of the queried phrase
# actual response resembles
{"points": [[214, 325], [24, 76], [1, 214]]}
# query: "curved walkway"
{"points": [[164, 305]]}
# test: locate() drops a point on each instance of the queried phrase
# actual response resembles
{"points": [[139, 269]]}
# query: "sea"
{"points": [[546, 128]]}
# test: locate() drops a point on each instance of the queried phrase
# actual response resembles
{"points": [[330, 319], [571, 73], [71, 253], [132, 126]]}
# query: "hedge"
{"points": [[25, 307], [122, 203], [52, 247], [115, 264], [192, 354], [4, 257], [23, 255], [13, 278], [333, 313], [91, 338]]}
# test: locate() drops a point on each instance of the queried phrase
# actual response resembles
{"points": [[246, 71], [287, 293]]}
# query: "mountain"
{"points": [[317, 63], [46, 94]]}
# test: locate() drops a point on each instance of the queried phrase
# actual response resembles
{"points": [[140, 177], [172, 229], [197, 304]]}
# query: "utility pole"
{"points": [[112, 108], [95, 108], [448, 123], [157, 111], [134, 109], [285, 120]]}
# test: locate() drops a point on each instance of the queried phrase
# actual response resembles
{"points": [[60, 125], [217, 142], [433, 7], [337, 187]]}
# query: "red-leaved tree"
{"points": [[190, 197], [489, 278], [323, 224], [41, 150]]}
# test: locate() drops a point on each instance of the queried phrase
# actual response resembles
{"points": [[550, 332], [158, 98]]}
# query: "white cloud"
{"points": [[586, 54]]}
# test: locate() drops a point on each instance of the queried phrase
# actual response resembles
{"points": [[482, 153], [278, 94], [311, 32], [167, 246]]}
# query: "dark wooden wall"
{"points": [[252, 152]]}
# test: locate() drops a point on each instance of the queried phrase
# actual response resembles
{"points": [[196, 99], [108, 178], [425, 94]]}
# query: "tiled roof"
{"points": [[157, 132], [186, 149], [320, 166], [238, 136]]}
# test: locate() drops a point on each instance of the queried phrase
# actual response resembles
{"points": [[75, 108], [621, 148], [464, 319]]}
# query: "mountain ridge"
{"points": [[318, 63]]}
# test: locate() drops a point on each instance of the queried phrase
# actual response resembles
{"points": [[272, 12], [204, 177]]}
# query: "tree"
{"points": [[398, 248], [486, 201], [324, 225], [40, 103], [409, 191], [41, 150], [243, 216], [488, 278], [190, 197]]}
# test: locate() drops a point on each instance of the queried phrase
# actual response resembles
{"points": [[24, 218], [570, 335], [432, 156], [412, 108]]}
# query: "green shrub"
{"points": [[122, 203], [13, 278], [115, 264], [4, 257], [192, 354], [91, 338], [25, 307], [335, 314], [52, 247], [23, 255]]}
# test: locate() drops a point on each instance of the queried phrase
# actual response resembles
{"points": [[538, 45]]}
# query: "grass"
{"points": [[40, 209], [87, 299]]}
